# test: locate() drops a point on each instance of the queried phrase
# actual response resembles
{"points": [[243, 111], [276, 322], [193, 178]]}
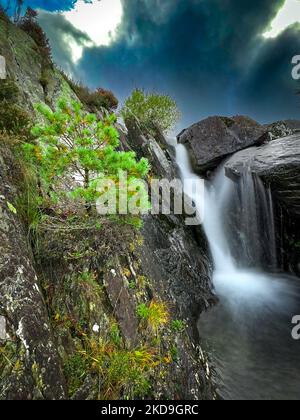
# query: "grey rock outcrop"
{"points": [[212, 140], [24, 65], [277, 163], [39, 373]]}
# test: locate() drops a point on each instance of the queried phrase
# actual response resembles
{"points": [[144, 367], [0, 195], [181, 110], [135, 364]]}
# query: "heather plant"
{"points": [[94, 100]]}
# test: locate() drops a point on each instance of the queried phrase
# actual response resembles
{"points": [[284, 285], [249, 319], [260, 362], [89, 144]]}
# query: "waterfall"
{"points": [[209, 210], [255, 222], [238, 220], [238, 217], [248, 334]]}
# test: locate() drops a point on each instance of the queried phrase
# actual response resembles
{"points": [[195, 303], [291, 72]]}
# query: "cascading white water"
{"points": [[230, 279], [248, 334], [209, 208]]}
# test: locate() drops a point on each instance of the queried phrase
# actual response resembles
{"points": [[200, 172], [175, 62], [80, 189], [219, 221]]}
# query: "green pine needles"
{"points": [[76, 149]]}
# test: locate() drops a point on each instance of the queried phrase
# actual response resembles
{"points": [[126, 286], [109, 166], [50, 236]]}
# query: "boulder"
{"points": [[211, 140], [277, 163], [279, 129]]}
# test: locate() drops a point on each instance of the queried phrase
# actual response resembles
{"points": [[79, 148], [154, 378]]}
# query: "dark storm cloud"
{"points": [[51, 5], [208, 54], [62, 33]]}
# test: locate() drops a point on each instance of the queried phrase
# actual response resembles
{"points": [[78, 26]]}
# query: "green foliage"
{"points": [[9, 360], [94, 100], [11, 207], [156, 314], [13, 119], [152, 110], [124, 373], [75, 368], [30, 25], [178, 326], [72, 142]]}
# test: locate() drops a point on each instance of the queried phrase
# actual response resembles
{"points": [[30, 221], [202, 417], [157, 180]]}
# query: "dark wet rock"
{"points": [[23, 307], [279, 130], [156, 150], [177, 260], [180, 270], [179, 265], [123, 306], [277, 164], [213, 139]]}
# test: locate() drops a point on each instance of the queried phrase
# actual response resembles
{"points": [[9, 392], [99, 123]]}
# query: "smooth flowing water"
{"points": [[248, 334]]}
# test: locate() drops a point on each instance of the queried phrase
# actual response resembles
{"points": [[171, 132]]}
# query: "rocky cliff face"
{"points": [[33, 368], [277, 164], [78, 283], [38, 81], [214, 139]]}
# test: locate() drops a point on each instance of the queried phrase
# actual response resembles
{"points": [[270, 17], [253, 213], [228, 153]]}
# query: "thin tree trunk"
{"points": [[86, 186]]}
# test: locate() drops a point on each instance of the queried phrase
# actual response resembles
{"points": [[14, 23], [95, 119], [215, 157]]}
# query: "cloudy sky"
{"points": [[213, 56]]}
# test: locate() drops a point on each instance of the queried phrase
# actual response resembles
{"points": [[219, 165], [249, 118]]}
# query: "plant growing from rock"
{"points": [[14, 120], [152, 110], [29, 24], [156, 315], [94, 100], [72, 143]]}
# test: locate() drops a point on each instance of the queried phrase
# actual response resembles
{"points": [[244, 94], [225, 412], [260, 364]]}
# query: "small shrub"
{"points": [[152, 110], [75, 370], [30, 25], [8, 91], [107, 99], [178, 326], [8, 358], [156, 314], [94, 100], [14, 120], [124, 374], [73, 142]]}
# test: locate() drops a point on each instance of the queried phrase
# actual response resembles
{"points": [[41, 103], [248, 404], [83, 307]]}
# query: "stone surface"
{"points": [[123, 306], [2, 328], [22, 304], [279, 129], [212, 140], [278, 163], [24, 65], [177, 260]]}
